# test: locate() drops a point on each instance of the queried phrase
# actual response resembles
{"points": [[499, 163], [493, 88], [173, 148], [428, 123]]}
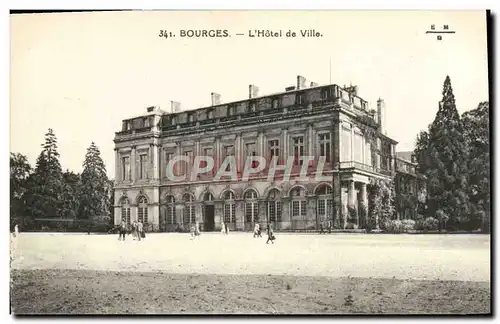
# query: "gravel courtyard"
{"points": [[337, 273]]}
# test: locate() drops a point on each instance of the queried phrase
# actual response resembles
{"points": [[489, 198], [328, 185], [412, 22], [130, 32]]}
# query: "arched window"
{"points": [[324, 203], [298, 203], [208, 197], [142, 210], [229, 207], [251, 206], [188, 215], [171, 210], [126, 210], [274, 206]]}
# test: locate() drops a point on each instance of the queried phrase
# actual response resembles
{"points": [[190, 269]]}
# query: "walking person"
{"points": [[134, 230], [321, 227], [140, 229], [270, 234], [192, 231], [197, 231], [256, 231], [226, 229], [122, 230], [223, 228]]}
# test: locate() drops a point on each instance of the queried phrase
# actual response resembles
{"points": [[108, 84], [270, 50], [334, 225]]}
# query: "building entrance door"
{"points": [[209, 218]]}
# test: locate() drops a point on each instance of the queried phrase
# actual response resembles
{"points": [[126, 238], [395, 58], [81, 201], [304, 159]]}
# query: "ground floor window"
{"points": [[251, 210], [126, 214], [274, 211], [188, 215], [324, 208]]}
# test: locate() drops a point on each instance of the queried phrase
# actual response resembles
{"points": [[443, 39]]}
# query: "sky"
{"points": [[81, 74]]}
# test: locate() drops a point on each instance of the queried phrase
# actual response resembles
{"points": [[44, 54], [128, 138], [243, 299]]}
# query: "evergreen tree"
{"points": [[477, 136], [20, 170], [70, 200], [447, 162], [46, 183], [94, 190]]}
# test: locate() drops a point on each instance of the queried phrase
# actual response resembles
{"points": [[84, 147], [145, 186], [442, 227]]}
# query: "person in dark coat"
{"points": [[270, 234], [122, 230]]}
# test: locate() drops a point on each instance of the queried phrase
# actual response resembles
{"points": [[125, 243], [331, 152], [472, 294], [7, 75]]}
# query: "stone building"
{"points": [[331, 123], [410, 187]]}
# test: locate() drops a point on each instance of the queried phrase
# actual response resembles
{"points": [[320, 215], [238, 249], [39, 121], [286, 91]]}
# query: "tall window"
{"points": [[126, 168], [142, 210], [190, 118], [324, 203], [298, 203], [298, 150], [126, 210], [274, 206], [207, 151], [228, 151], [251, 151], [143, 166], [188, 215], [229, 207], [170, 210], [210, 114], [324, 146], [276, 103], [251, 207], [187, 165], [274, 148], [300, 99], [146, 122]]}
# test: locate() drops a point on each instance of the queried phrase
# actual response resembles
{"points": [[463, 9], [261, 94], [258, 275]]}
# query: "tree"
{"points": [[446, 167], [94, 190], [20, 170], [70, 200], [477, 136], [46, 183]]}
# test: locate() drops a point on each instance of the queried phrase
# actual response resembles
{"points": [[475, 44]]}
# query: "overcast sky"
{"points": [[82, 73]]}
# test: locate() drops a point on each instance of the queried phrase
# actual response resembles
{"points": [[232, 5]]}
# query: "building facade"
{"points": [[330, 123]]}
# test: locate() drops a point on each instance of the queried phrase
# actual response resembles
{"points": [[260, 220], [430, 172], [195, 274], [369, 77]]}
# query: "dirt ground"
{"points": [[300, 274], [108, 292]]}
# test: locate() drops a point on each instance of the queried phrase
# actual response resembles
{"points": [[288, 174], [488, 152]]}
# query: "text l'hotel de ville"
{"points": [[252, 33]]}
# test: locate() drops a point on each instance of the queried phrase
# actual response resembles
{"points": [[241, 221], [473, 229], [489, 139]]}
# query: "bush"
{"points": [[430, 224], [351, 225], [353, 215], [408, 225], [393, 226]]}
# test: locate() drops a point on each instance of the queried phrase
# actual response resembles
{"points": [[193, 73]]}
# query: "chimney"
{"points": [[253, 91], [314, 84], [175, 106], [215, 99], [301, 82], [381, 115]]}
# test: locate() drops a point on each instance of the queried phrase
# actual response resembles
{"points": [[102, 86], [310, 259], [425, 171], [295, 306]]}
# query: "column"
{"points": [[238, 153], [351, 194], [285, 144], [363, 212], [337, 194], [154, 157], [352, 143], [310, 141], [217, 151], [117, 166], [133, 164]]}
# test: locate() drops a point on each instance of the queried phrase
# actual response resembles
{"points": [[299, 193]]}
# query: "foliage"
{"points": [[442, 156], [94, 190], [430, 224], [20, 170], [476, 133], [353, 215], [392, 226], [408, 225], [46, 183]]}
